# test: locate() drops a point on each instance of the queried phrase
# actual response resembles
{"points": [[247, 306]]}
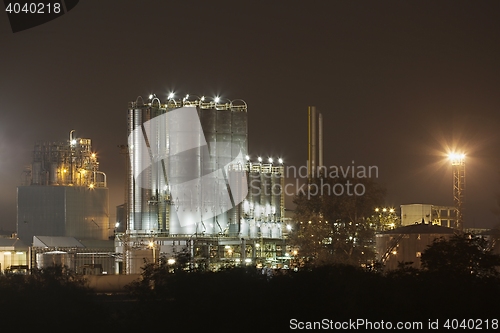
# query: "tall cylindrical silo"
{"points": [[208, 120]]}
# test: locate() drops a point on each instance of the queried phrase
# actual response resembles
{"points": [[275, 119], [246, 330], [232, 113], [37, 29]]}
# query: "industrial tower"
{"points": [[314, 143], [193, 188], [64, 193]]}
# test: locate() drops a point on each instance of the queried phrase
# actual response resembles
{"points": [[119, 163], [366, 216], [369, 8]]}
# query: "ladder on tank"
{"points": [[394, 243]]}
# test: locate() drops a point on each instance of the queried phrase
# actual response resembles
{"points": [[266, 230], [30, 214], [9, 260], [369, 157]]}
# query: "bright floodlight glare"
{"points": [[151, 96], [117, 224], [270, 160], [280, 160], [187, 96], [202, 98], [217, 99], [73, 142], [171, 95], [288, 227], [247, 158], [259, 159], [456, 158]]}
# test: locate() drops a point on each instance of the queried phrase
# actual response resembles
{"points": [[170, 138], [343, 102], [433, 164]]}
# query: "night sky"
{"points": [[399, 84]]}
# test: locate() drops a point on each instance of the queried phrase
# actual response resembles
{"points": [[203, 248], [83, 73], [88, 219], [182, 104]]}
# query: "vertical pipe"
{"points": [[313, 140], [320, 141], [309, 144]]}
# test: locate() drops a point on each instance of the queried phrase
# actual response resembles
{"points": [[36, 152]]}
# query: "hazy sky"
{"points": [[398, 83]]}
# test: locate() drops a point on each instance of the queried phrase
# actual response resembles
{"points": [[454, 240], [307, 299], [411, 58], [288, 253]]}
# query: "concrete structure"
{"points": [[64, 193], [230, 210], [432, 214]]}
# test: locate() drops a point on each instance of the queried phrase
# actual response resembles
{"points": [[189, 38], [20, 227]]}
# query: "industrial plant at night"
{"points": [[233, 212], [192, 191]]}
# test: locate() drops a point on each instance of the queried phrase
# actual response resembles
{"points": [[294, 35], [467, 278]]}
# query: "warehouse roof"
{"points": [[55, 241]]}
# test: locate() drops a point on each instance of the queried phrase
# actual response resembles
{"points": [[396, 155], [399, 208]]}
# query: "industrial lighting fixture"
{"points": [[270, 160], [217, 99], [247, 158], [259, 159], [171, 95], [456, 158], [280, 160]]}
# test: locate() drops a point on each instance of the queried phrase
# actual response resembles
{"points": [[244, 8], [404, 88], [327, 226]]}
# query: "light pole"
{"points": [[458, 166]]}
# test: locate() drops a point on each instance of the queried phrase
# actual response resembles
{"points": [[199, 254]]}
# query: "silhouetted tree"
{"points": [[332, 224], [462, 254]]}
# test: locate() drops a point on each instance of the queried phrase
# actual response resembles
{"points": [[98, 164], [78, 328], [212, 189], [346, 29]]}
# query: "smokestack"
{"points": [[320, 141], [311, 161]]}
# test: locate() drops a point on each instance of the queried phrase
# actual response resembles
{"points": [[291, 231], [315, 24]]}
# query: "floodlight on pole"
{"points": [[458, 166]]}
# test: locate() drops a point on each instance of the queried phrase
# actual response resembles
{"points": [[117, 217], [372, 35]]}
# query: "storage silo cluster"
{"points": [[192, 187]]}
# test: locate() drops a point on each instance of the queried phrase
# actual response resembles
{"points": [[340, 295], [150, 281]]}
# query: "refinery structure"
{"points": [[194, 198], [63, 210], [193, 189], [64, 193]]}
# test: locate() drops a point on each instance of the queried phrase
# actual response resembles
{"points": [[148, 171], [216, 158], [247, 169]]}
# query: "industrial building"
{"points": [[192, 188], [445, 216], [64, 196]]}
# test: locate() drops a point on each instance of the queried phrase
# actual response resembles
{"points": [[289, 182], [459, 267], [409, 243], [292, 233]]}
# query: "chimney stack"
{"points": [[312, 161]]}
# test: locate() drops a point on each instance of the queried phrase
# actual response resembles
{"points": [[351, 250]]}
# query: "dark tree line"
{"points": [[242, 298]]}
